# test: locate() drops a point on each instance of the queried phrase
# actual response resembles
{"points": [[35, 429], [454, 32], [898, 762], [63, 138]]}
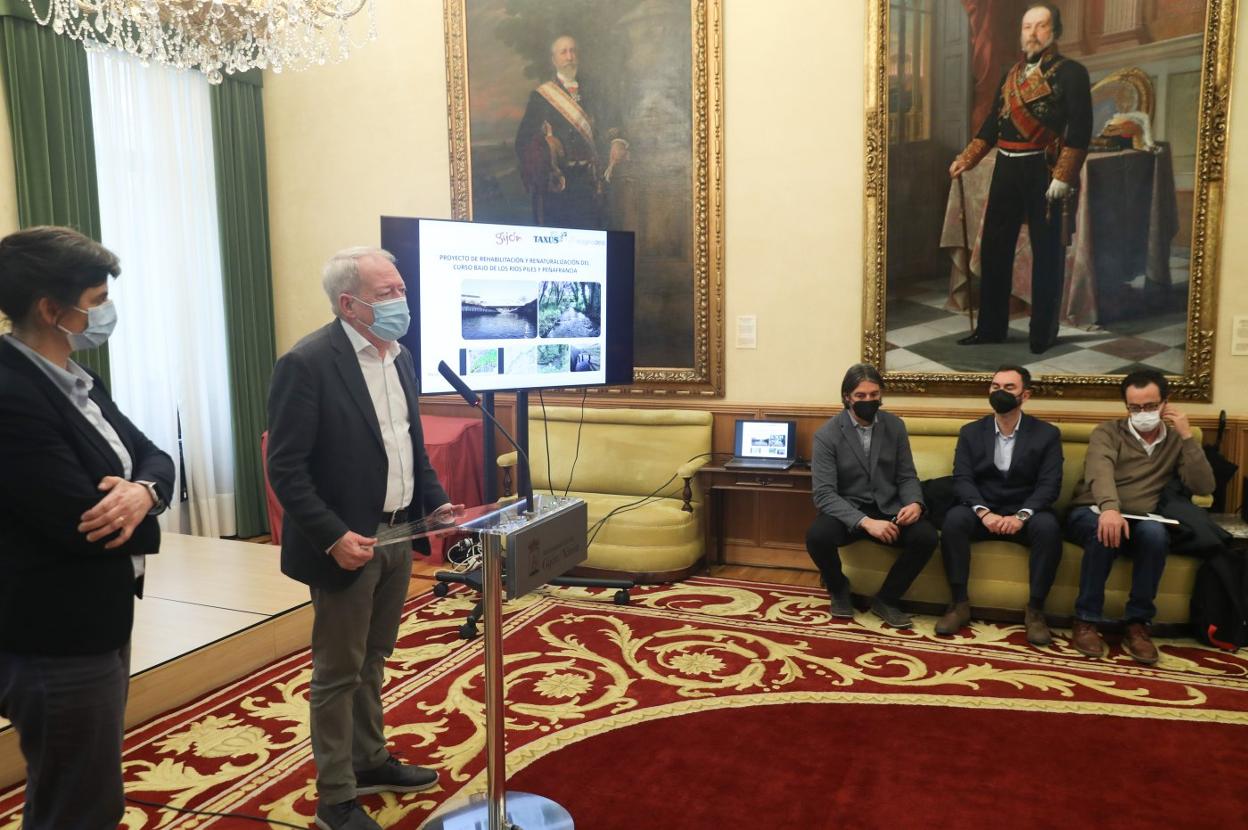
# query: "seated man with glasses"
{"points": [[1129, 462]]}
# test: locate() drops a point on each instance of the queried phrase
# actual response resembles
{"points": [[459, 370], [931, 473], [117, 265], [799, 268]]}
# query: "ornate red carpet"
{"points": [[724, 704]]}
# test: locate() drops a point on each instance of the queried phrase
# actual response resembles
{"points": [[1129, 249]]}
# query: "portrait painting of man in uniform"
{"points": [[1042, 201], [587, 114]]}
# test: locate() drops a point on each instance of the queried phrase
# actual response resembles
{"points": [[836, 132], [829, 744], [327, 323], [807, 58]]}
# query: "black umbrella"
{"points": [[1223, 467]]}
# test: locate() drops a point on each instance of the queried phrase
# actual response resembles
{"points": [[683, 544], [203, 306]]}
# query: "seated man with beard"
{"points": [[865, 485]]}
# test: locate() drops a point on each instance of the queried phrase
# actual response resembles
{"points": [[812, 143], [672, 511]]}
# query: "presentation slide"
{"points": [[760, 439], [510, 307]]}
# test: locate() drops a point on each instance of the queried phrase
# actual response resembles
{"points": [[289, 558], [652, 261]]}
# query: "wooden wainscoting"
{"points": [[769, 529]]}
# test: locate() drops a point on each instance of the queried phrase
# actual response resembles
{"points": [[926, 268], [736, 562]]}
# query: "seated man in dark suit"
{"points": [[865, 486], [1007, 473]]}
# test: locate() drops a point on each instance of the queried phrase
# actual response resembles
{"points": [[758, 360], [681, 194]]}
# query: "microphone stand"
{"points": [[489, 453], [525, 484], [524, 487]]}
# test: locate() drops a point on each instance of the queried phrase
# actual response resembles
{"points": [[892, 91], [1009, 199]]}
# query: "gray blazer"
{"points": [[847, 482]]}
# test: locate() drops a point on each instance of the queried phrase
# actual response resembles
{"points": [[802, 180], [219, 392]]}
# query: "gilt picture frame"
{"points": [[1141, 228], [650, 90]]}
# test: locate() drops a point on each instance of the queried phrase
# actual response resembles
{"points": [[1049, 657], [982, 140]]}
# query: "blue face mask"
{"points": [[101, 320], [390, 318]]}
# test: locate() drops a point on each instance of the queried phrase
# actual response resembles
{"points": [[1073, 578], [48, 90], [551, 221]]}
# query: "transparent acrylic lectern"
{"points": [[535, 546]]}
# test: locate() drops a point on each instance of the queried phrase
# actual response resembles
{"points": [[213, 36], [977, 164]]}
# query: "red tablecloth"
{"points": [[455, 451], [1126, 218], [454, 447]]}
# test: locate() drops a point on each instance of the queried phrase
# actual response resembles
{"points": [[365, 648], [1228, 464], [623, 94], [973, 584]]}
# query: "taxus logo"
{"points": [[551, 240], [506, 237]]}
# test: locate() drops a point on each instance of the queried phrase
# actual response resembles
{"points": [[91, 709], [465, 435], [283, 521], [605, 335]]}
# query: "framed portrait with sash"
{"points": [[1044, 184], [604, 114]]}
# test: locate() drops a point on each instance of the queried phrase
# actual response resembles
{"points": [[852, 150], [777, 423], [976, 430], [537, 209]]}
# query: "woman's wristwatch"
{"points": [[158, 504]]}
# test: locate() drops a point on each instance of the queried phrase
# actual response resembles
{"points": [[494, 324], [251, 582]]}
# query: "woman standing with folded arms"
{"points": [[80, 487]]}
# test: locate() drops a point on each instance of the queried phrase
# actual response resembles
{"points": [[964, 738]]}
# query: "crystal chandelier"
{"points": [[215, 36]]}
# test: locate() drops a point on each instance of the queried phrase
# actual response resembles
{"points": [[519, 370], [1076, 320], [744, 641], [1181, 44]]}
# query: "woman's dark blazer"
{"points": [[60, 594]]}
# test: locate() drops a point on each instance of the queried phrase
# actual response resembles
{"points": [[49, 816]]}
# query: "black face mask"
{"points": [[1002, 401], [866, 409]]}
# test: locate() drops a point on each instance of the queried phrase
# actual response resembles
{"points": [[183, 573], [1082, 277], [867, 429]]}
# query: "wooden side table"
{"points": [[716, 481]]}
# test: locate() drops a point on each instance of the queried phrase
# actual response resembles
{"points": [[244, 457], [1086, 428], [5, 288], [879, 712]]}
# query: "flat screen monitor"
{"points": [[513, 306]]}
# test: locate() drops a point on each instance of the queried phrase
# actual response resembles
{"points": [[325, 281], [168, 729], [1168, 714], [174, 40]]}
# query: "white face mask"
{"points": [[101, 320], [1146, 421]]}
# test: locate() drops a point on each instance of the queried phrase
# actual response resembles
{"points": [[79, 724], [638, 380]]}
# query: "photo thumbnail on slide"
{"points": [[480, 361], [569, 309], [586, 358], [553, 358], [520, 360], [498, 309]]}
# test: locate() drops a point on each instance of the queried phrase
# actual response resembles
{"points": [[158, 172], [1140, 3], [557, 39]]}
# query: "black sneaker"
{"points": [[842, 603], [346, 815], [890, 614], [394, 776]]}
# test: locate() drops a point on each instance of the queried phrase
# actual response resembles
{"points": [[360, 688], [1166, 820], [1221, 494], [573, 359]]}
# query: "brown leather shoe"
{"points": [[1038, 633], [1139, 645], [958, 615], [1087, 640]]}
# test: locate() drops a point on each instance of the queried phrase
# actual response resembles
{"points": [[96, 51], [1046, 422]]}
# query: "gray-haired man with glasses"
{"points": [[346, 459], [1129, 462]]}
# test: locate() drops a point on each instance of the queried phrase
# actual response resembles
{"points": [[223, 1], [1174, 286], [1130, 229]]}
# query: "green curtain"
{"points": [[45, 76], [243, 207]]}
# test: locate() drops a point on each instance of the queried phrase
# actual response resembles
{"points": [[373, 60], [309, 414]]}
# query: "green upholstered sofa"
{"points": [[625, 456], [999, 569]]}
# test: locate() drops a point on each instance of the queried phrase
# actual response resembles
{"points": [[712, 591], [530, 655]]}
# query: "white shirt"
{"points": [[390, 403], [76, 384], [1003, 452]]}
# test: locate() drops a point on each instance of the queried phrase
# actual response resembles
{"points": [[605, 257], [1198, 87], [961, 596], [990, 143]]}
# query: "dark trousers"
{"points": [[353, 632], [1041, 534], [69, 713], [1147, 547], [578, 205], [1016, 195], [917, 543]]}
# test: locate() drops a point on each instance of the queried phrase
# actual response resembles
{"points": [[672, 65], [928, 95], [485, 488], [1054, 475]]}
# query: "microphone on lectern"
{"points": [[457, 383], [471, 398]]}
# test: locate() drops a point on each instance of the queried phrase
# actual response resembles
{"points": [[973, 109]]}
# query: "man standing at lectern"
{"points": [[1041, 125], [347, 459], [560, 147]]}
